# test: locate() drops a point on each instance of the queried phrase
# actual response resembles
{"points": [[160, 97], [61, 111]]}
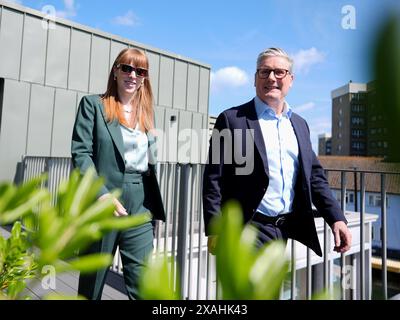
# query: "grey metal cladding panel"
{"points": [[99, 69], [184, 136], [154, 62], [10, 43], [13, 127], [204, 90], [63, 122], [197, 139], [33, 50], [57, 56], [116, 48], [166, 81], [193, 88], [79, 61], [171, 134], [180, 84], [159, 125], [40, 121]]}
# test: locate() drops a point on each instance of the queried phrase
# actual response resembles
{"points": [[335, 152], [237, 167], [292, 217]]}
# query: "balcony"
{"points": [[348, 276]]}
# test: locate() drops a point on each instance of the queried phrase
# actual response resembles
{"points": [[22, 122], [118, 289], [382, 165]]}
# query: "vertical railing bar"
{"points": [[200, 233], [293, 269], [182, 229], [362, 236], [174, 222], [309, 275], [194, 200], [208, 280], [326, 250], [168, 200], [384, 235], [343, 207]]}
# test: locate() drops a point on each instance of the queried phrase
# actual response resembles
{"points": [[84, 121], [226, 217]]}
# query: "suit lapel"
{"points": [[115, 132], [252, 122], [302, 137]]}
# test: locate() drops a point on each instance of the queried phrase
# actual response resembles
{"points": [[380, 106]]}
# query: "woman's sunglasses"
{"points": [[126, 68]]}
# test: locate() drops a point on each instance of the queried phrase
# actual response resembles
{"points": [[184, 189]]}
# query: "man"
{"points": [[285, 177]]}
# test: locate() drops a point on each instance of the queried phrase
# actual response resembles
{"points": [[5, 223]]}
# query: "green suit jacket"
{"points": [[99, 144]]}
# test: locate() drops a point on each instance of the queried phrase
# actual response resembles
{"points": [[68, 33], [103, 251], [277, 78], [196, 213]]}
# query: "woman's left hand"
{"points": [[120, 210]]}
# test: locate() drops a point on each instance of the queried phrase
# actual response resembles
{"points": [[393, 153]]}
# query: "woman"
{"points": [[112, 134]]}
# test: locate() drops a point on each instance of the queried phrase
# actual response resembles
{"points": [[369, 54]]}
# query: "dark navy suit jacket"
{"points": [[221, 181]]}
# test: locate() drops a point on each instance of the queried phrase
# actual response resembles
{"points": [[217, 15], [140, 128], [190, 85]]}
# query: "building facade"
{"points": [[324, 144], [358, 125], [47, 66], [373, 194]]}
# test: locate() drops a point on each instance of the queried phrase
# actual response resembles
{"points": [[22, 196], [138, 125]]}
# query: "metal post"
{"points": [[293, 269], [343, 207], [326, 250], [384, 235], [309, 275], [362, 237], [355, 190], [182, 246]]}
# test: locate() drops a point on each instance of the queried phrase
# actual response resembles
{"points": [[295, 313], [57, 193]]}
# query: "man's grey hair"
{"points": [[274, 52]]}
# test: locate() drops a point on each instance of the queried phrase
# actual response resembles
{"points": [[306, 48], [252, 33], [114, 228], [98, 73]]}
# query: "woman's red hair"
{"points": [[143, 101]]}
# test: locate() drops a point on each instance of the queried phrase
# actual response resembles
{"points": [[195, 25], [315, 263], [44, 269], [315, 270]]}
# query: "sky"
{"points": [[330, 41]]}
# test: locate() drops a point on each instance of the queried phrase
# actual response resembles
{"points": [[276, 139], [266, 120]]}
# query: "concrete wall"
{"points": [[46, 71]]}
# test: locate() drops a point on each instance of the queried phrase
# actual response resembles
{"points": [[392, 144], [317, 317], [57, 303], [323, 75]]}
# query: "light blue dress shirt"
{"points": [[282, 153], [135, 146]]}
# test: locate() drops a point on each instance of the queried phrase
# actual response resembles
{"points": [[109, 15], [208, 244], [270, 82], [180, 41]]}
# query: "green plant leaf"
{"points": [[155, 281], [86, 264]]}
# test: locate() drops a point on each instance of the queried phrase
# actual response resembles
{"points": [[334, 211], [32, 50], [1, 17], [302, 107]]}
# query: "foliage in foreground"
{"points": [[243, 271], [54, 234]]}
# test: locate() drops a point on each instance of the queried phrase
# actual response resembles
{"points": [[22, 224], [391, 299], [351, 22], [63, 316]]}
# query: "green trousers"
{"points": [[135, 245]]}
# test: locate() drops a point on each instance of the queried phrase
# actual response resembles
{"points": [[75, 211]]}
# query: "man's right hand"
{"points": [[120, 210], [212, 244]]}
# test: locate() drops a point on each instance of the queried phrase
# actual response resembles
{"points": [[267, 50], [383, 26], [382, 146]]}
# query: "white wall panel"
{"points": [[10, 43], [79, 61], [40, 121], [33, 50], [58, 56]]}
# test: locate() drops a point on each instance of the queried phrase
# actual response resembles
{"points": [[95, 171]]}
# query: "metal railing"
{"points": [[182, 238]]}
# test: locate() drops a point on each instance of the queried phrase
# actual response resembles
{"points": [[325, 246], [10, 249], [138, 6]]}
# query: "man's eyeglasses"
{"points": [[126, 68], [264, 73]]}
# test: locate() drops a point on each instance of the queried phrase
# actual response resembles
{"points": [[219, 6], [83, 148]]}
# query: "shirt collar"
{"points": [[262, 107]]}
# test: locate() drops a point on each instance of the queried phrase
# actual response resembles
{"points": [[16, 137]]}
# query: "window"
{"points": [[358, 145], [338, 196], [356, 133], [373, 130], [375, 200], [357, 120], [371, 200], [340, 123], [340, 111]]}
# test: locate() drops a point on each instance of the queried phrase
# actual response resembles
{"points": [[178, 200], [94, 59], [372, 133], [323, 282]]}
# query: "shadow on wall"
{"points": [[19, 173]]}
